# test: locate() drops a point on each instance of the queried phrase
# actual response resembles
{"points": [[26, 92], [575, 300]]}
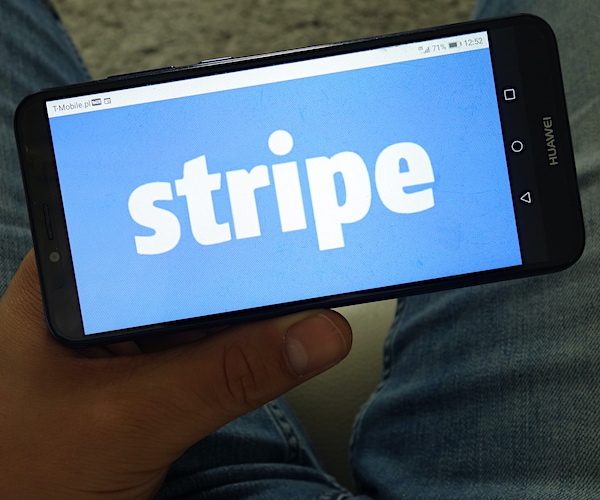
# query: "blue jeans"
{"points": [[487, 392]]}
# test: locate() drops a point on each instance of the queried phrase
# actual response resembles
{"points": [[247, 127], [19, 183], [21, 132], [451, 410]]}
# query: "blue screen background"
{"points": [[447, 105]]}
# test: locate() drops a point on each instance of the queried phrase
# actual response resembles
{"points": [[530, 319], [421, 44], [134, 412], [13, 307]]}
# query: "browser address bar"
{"points": [[270, 74]]}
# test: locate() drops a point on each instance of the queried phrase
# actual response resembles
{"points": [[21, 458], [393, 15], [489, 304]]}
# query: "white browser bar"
{"points": [[269, 74]]}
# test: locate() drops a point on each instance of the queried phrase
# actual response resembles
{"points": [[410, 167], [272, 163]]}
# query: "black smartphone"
{"points": [[251, 187]]}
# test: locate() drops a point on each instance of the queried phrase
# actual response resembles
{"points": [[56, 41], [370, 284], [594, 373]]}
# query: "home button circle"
{"points": [[517, 146]]}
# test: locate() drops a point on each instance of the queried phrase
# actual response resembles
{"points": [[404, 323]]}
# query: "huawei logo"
{"points": [[550, 141]]}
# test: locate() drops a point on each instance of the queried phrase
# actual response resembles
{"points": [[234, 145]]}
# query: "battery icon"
{"points": [[453, 45]]}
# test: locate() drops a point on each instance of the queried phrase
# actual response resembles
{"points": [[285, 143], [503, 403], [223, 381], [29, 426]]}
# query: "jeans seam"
{"points": [[287, 431], [385, 374]]}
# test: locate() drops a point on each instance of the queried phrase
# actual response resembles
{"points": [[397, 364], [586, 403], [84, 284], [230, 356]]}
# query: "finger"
{"points": [[195, 389], [23, 324], [22, 301], [22, 321]]}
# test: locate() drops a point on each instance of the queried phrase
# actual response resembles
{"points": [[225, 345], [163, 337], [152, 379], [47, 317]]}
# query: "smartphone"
{"points": [[250, 187]]}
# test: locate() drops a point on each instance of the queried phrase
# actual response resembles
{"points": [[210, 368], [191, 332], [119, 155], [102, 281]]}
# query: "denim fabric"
{"points": [[487, 392], [264, 454], [491, 391], [35, 52]]}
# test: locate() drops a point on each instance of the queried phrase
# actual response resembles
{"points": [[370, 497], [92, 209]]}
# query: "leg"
{"points": [[268, 444], [490, 392], [35, 53], [264, 454]]}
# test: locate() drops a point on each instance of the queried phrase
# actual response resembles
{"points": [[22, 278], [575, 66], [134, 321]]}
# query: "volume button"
{"points": [[216, 59]]}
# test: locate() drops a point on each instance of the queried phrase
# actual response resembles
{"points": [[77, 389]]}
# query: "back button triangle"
{"points": [[526, 198]]}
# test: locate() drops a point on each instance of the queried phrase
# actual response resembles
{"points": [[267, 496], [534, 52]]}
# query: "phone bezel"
{"points": [[544, 96]]}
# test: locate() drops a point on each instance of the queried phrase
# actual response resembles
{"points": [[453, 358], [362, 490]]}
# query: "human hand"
{"points": [[72, 426]]}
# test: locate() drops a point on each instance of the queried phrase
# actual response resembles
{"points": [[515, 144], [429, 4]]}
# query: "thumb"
{"points": [[197, 388]]}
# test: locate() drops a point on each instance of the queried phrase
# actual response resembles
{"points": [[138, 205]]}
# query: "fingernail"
{"points": [[314, 343]]}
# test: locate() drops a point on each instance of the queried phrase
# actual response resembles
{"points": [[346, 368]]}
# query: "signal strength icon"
{"points": [[427, 50]]}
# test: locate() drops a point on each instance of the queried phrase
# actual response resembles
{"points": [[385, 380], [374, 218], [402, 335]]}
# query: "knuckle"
{"points": [[247, 378]]}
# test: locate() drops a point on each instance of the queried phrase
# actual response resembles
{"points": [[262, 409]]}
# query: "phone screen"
{"points": [[288, 182]]}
